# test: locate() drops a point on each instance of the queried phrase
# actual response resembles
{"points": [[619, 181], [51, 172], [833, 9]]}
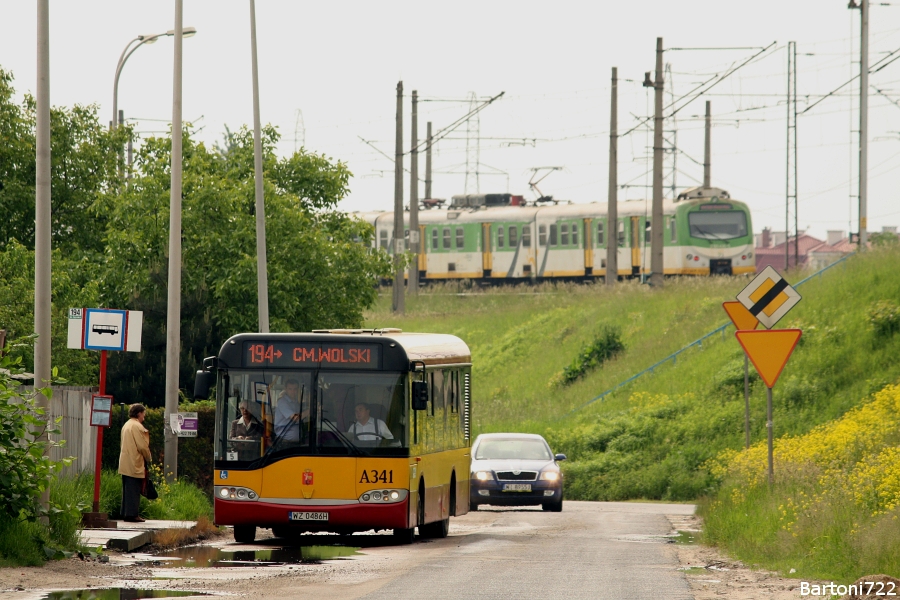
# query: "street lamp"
{"points": [[128, 51]]}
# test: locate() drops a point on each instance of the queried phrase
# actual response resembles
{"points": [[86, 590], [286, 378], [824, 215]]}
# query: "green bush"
{"points": [[605, 346], [884, 318]]}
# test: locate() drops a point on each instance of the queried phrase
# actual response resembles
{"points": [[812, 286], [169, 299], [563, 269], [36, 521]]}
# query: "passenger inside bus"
{"points": [[291, 415], [246, 431]]}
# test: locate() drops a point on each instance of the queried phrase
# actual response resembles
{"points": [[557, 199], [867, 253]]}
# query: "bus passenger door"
{"points": [[486, 258], [636, 245], [588, 249]]}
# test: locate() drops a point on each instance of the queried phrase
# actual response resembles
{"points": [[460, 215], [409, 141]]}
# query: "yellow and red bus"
{"points": [[340, 431]]}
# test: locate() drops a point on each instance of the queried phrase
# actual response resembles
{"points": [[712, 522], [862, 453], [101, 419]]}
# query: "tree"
{"points": [[322, 270], [84, 171]]}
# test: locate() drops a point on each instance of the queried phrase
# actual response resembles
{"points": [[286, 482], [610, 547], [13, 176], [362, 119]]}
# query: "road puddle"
{"points": [[211, 556], [686, 537], [118, 594]]}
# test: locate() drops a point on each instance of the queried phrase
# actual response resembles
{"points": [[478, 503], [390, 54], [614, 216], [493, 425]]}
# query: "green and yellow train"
{"points": [[492, 237]]}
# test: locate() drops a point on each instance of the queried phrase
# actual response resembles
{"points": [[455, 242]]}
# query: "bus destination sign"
{"points": [[312, 355]]}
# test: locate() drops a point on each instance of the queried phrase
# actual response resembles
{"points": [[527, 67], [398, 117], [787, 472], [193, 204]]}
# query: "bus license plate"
{"points": [[308, 516], [516, 487]]}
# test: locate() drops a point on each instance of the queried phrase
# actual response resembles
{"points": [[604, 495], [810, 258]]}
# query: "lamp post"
{"points": [[128, 51]]}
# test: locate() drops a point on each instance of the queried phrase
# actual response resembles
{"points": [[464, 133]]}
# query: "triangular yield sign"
{"points": [[742, 318], [769, 350]]}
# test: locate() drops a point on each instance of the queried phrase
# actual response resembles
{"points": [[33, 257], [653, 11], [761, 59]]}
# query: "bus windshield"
{"points": [[301, 413], [718, 225]]}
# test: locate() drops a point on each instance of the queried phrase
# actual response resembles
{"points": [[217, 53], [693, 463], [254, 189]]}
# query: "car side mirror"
{"points": [[419, 395], [559, 457], [202, 384]]}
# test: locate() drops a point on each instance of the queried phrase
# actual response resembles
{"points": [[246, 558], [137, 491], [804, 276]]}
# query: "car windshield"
{"points": [[511, 448]]}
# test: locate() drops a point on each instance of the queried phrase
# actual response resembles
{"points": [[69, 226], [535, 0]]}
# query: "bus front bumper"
{"points": [[358, 516]]}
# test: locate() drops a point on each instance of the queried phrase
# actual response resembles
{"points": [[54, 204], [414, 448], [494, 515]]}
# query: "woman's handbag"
{"points": [[148, 490]]}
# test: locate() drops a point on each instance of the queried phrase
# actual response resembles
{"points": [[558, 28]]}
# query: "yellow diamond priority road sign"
{"points": [[769, 297]]}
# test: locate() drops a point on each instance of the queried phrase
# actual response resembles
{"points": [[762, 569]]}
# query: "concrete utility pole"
{"points": [[173, 311], [863, 124], [42, 237], [428, 162], [414, 198], [612, 210], [707, 150], [398, 304], [656, 220], [262, 272]]}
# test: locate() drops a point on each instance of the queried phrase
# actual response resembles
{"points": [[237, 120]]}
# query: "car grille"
{"points": [[520, 476]]}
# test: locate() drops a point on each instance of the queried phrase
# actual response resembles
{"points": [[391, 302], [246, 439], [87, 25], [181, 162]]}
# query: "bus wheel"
{"points": [[437, 530], [404, 536], [244, 534]]}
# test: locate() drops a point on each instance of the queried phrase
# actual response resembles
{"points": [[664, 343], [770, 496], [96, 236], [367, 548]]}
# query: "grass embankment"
{"points": [[653, 438], [32, 543]]}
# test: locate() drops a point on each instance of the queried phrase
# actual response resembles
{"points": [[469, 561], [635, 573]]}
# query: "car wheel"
{"points": [[244, 534]]}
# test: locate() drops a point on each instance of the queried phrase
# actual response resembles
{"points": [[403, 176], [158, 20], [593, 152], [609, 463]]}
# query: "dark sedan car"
{"points": [[515, 469]]}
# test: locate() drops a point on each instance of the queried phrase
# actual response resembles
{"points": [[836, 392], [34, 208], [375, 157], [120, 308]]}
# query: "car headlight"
{"points": [[484, 475], [550, 475]]}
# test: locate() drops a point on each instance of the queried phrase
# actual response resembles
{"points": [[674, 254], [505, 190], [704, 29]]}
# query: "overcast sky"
{"points": [[338, 64]]}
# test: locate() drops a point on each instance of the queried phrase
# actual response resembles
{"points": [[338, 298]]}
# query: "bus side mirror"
{"points": [[204, 381], [419, 395]]}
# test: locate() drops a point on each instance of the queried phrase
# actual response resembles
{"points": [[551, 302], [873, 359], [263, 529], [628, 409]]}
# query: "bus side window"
{"points": [[454, 391]]}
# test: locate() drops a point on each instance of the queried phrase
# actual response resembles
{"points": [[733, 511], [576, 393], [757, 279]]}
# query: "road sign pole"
{"points": [[98, 460], [746, 401], [769, 427]]}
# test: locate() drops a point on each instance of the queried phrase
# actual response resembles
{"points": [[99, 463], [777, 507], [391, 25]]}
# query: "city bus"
{"points": [[340, 431]]}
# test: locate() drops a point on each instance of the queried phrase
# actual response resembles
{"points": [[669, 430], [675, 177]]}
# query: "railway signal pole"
{"points": [[414, 198], [398, 304], [656, 219], [612, 220]]}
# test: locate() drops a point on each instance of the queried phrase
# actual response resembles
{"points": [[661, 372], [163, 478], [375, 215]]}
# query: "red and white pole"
{"points": [[99, 458]]}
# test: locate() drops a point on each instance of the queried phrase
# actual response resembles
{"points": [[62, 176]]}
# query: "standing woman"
{"points": [[134, 456]]}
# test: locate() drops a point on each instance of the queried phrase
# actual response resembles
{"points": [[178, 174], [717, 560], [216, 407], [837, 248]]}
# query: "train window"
{"points": [[646, 231], [621, 233], [435, 239], [500, 236], [673, 231], [542, 235], [574, 234], [383, 236], [446, 238], [553, 239], [526, 236], [406, 238], [564, 234], [460, 238], [600, 243], [513, 236]]}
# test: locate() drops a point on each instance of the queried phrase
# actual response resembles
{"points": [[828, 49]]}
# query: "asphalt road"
{"points": [[590, 550]]}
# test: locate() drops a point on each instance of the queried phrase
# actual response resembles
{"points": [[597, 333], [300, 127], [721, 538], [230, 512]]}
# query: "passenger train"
{"points": [[497, 237]]}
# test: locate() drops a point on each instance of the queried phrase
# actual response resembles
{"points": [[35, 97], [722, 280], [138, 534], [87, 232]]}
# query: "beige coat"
{"points": [[135, 449]]}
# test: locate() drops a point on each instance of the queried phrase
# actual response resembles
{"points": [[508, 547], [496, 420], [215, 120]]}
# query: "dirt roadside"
{"points": [[712, 574]]}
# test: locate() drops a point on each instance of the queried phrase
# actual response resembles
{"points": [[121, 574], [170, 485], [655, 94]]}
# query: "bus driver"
{"points": [[376, 428]]}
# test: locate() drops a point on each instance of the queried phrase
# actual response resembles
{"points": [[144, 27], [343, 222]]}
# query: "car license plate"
{"points": [[516, 487], [308, 516]]}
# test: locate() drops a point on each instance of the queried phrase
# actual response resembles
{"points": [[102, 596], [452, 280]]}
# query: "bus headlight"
{"points": [[383, 496], [235, 493]]}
